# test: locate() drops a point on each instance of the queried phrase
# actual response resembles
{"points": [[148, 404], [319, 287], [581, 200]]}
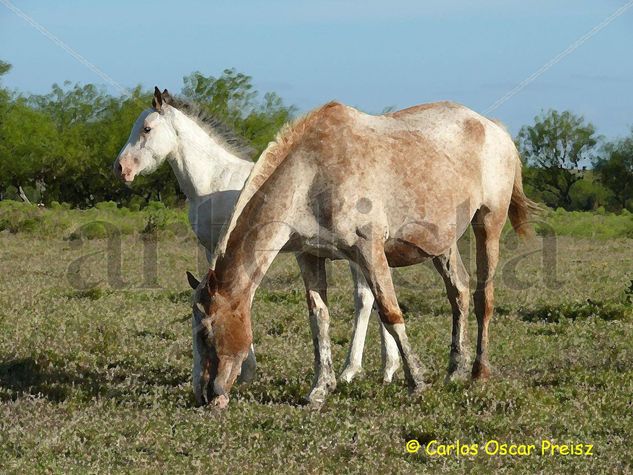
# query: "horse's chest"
{"points": [[207, 220]]}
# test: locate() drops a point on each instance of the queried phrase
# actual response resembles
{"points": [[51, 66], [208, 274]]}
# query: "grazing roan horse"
{"points": [[379, 191], [209, 164]]}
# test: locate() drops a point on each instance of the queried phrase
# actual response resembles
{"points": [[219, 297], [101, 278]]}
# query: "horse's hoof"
{"points": [[457, 374], [481, 371], [456, 377], [319, 394], [418, 388], [389, 373], [349, 373], [316, 399], [220, 402]]}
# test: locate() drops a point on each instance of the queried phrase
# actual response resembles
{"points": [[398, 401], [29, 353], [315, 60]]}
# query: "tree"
{"points": [[615, 169], [5, 96], [557, 145], [232, 99], [4, 67], [29, 146]]}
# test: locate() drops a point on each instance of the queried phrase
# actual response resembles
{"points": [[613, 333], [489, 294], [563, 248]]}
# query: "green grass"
{"points": [[582, 224], [61, 222], [102, 221], [97, 379]]}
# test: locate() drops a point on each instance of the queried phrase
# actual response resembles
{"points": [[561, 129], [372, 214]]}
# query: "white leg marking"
{"points": [[389, 352], [413, 370], [363, 304], [324, 378]]}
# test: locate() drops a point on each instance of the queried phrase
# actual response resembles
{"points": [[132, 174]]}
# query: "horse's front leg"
{"points": [[370, 256], [313, 272], [199, 371], [363, 306]]}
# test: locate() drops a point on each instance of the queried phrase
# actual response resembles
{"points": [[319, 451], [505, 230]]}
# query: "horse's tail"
{"points": [[521, 207]]}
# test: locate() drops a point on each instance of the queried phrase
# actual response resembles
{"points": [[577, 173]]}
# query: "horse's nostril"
{"points": [[118, 168]]}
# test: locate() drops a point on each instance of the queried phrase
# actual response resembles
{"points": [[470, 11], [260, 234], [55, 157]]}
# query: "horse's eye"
{"points": [[147, 129]]}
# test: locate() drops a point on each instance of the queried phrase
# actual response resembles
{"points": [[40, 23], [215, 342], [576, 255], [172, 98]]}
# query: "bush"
{"points": [[99, 222], [553, 313], [106, 205], [591, 225], [92, 230], [587, 195]]}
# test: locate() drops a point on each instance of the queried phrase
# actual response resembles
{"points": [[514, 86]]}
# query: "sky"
{"points": [[371, 54]]}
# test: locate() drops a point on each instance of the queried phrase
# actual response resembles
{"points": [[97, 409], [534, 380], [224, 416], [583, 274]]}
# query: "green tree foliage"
{"points": [[61, 146], [29, 146], [557, 145], [4, 94], [589, 194], [615, 170], [232, 99]]}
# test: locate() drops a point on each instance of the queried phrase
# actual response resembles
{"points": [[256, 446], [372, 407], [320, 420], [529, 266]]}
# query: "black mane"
{"points": [[215, 127]]}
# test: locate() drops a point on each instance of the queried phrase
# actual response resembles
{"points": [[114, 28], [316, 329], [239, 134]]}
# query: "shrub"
{"points": [[554, 313], [106, 205]]}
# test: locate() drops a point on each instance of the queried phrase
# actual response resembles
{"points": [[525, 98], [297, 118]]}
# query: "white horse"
{"points": [[211, 171]]}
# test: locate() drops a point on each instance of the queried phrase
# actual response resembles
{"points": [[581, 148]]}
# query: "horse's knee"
{"points": [[391, 315], [316, 305]]}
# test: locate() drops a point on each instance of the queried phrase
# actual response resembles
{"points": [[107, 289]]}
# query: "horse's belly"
{"points": [[413, 243], [402, 254]]}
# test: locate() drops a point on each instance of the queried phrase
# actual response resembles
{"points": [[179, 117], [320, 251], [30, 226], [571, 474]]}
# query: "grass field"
{"points": [[60, 221], [96, 379]]}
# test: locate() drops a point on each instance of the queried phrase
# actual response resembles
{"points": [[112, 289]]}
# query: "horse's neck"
{"points": [[201, 164], [261, 231]]}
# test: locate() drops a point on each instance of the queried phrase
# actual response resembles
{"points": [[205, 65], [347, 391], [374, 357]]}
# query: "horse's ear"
{"points": [[193, 282], [212, 282], [166, 96], [157, 101]]}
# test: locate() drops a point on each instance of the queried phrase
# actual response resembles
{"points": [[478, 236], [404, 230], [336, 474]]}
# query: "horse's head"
{"points": [[222, 346], [152, 139]]}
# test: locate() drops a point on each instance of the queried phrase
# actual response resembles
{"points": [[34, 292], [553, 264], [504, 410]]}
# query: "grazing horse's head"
{"points": [[152, 139], [222, 346]]}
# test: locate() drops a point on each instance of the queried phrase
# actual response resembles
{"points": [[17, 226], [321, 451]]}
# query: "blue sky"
{"points": [[370, 54]]}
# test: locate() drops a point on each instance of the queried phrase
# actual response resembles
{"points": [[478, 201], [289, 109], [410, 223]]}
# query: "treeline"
{"points": [[569, 166], [60, 146]]}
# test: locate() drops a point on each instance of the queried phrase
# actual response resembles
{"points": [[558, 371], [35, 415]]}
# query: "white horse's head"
{"points": [[151, 141]]}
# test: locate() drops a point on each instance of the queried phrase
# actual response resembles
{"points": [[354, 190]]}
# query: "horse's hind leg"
{"points": [[487, 227], [453, 272], [363, 306], [370, 257], [389, 353], [314, 277]]}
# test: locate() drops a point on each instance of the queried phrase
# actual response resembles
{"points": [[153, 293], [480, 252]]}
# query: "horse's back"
{"points": [[447, 146], [433, 164]]}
